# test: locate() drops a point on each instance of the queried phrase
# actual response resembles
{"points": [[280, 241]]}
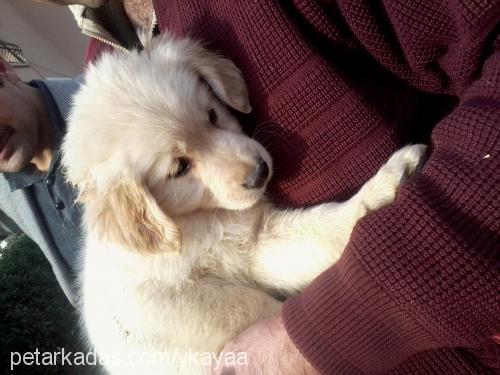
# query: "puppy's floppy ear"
{"points": [[129, 216], [223, 76]]}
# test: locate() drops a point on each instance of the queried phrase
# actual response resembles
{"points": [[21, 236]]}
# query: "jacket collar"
{"points": [[108, 24]]}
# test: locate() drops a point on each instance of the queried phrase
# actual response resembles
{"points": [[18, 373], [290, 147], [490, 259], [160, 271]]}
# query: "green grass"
{"points": [[34, 312]]}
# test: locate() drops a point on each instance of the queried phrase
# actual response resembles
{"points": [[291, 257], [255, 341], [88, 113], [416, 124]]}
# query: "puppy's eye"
{"points": [[212, 116], [183, 166]]}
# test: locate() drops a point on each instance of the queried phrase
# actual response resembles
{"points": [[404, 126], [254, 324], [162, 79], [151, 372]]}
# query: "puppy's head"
{"points": [[150, 138]]}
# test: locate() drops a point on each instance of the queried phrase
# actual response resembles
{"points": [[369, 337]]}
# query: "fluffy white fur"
{"points": [[180, 264]]}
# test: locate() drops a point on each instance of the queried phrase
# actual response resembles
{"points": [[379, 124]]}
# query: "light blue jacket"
{"points": [[18, 210]]}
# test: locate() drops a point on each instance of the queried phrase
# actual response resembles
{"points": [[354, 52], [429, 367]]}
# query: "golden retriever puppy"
{"points": [[182, 252]]}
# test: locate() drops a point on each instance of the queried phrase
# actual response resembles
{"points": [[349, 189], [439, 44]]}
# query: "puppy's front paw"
{"points": [[405, 161], [381, 189]]}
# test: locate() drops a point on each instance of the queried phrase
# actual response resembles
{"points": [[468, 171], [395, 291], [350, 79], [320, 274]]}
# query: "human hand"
{"points": [[269, 350]]}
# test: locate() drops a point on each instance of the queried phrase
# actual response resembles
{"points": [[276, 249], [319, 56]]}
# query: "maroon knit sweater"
{"points": [[336, 87]]}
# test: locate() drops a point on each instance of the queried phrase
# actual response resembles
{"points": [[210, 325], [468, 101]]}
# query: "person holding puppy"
{"points": [[338, 86], [34, 196]]}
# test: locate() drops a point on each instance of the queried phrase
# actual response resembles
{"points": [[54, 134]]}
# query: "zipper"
{"points": [[78, 13], [104, 40]]}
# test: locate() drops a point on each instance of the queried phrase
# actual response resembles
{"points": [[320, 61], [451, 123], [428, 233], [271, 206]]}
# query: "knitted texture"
{"points": [[336, 87]]}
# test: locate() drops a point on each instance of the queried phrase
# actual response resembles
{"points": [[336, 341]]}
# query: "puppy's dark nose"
{"points": [[258, 177]]}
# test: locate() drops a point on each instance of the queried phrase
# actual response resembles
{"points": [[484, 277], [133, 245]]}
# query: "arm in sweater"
{"points": [[423, 273]]}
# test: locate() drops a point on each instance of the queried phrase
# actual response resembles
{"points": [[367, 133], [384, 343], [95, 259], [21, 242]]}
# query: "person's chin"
{"points": [[19, 159]]}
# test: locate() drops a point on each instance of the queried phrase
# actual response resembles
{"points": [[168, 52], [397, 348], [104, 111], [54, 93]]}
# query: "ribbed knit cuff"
{"points": [[344, 324]]}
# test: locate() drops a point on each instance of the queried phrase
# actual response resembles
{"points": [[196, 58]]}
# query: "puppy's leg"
{"points": [[295, 246]]}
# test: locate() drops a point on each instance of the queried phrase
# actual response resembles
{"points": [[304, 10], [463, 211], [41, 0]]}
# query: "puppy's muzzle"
{"points": [[258, 177]]}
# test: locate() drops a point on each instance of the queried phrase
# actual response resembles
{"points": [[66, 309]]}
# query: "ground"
{"points": [[35, 313]]}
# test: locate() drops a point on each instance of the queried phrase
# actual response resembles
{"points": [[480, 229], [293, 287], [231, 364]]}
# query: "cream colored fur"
{"points": [[186, 263]]}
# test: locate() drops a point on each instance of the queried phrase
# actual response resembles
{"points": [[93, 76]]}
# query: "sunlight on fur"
{"points": [[182, 252]]}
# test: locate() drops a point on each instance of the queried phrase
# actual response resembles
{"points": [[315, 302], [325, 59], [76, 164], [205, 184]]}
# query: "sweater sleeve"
{"points": [[424, 272]]}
